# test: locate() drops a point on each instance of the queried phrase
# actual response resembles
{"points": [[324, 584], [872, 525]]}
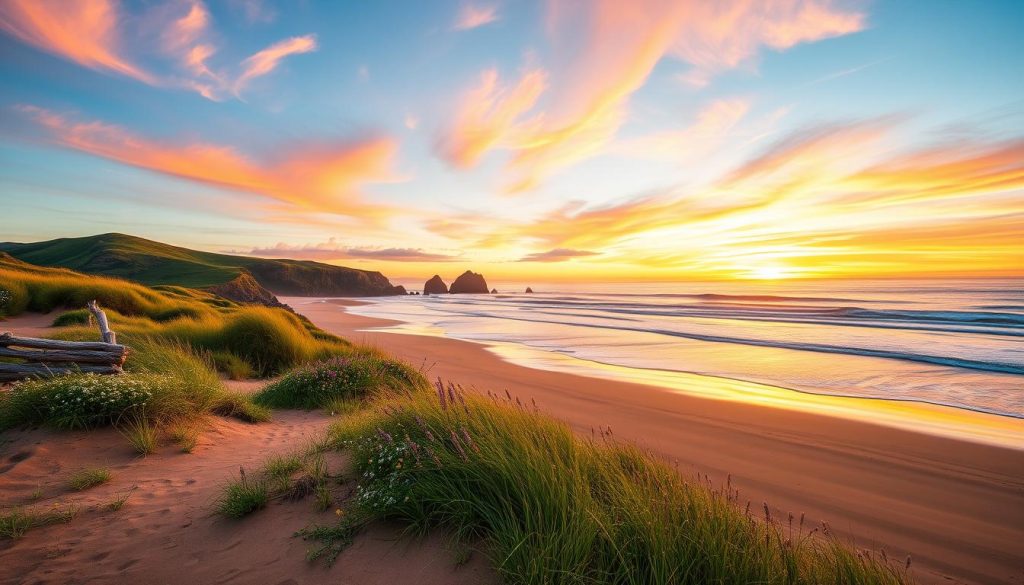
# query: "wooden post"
{"points": [[101, 320]]}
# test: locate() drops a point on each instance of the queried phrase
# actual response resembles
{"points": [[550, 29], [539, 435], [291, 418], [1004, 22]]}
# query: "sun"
{"points": [[769, 272]]}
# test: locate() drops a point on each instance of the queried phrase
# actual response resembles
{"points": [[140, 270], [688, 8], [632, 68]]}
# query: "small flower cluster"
{"points": [[392, 459], [386, 463], [86, 400], [333, 377]]}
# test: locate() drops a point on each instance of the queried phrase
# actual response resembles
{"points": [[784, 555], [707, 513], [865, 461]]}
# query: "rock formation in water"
{"points": [[435, 286], [529, 290], [494, 291], [469, 283]]}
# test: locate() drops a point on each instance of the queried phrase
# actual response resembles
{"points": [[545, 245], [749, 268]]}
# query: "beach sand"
{"points": [[956, 506]]}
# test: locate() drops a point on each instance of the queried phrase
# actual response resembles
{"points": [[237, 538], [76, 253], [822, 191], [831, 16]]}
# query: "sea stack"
{"points": [[494, 291], [435, 286], [469, 283], [529, 290]]}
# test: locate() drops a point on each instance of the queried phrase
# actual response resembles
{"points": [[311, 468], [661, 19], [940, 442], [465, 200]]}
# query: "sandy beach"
{"points": [[956, 506]]}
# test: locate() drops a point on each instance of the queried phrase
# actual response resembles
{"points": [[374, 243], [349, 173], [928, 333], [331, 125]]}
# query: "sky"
{"points": [[592, 140]]}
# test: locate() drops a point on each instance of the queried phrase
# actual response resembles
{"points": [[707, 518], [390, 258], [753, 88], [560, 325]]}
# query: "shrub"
{"points": [[557, 508], [354, 377], [87, 478], [78, 401]]}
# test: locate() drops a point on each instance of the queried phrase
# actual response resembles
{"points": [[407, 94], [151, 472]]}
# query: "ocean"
{"points": [[955, 343]]}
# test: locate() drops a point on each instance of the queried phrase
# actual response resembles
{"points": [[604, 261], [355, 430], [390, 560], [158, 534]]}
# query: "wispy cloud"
{"points": [[84, 32], [265, 61], [488, 117], [586, 97], [473, 16], [557, 255], [334, 250], [313, 177], [91, 33]]}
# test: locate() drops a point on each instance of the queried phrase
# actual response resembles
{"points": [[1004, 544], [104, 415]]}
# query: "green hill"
{"points": [[238, 277]]}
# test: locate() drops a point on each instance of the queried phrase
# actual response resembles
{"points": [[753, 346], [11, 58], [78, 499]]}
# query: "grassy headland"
{"points": [[154, 263]]}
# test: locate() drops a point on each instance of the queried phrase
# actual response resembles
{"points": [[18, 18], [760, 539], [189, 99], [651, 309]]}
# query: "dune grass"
{"points": [[242, 341], [243, 496], [553, 507], [141, 434], [359, 376], [39, 289], [17, 522], [293, 476], [185, 435], [90, 477]]}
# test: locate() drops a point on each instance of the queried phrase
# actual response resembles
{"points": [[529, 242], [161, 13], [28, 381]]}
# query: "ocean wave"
{"points": [[982, 365]]}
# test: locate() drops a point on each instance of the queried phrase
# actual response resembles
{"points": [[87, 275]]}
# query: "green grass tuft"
{"points": [[240, 406], [17, 522], [87, 478], [233, 366], [243, 496], [185, 435], [143, 436], [355, 377]]}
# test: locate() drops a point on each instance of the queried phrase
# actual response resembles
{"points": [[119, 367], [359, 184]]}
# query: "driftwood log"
{"points": [[49, 357]]}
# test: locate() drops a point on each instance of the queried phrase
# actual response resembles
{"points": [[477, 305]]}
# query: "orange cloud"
{"points": [[471, 16], [88, 32], [487, 117], [268, 59], [317, 178], [84, 32], [604, 51]]}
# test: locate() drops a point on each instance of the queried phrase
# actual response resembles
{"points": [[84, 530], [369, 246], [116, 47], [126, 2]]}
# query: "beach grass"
{"points": [[90, 477], [554, 507], [243, 496], [141, 434], [185, 435], [241, 340], [240, 406], [17, 522], [292, 476], [355, 377]]}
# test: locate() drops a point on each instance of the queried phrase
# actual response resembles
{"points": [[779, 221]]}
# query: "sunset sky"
{"points": [[602, 140]]}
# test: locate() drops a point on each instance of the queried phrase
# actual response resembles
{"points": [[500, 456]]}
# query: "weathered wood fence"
{"points": [[49, 357]]}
